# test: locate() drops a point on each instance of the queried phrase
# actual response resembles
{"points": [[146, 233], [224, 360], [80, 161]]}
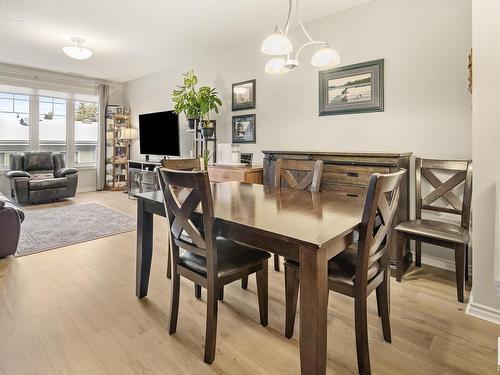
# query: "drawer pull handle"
{"points": [[353, 174], [352, 195]]}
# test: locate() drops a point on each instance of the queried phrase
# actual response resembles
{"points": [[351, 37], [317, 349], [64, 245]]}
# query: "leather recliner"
{"points": [[11, 218], [39, 177]]}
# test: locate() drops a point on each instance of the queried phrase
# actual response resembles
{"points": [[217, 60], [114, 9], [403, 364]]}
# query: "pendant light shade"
{"points": [[276, 44], [276, 66], [325, 57], [77, 51]]}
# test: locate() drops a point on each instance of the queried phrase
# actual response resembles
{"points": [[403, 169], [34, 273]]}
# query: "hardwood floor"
{"points": [[73, 311]]}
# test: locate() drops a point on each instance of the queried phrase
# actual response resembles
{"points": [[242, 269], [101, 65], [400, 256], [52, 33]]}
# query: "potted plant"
{"points": [[185, 99], [206, 157], [208, 101]]}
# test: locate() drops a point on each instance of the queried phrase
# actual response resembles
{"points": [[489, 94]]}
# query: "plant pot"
{"points": [[191, 123], [207, 132]]}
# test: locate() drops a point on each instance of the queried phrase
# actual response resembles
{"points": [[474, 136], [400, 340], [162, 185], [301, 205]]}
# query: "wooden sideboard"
{"points": [[348, 173], [251, 174]]}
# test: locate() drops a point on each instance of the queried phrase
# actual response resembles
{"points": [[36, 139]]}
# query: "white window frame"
{"points": [[34, 123]]}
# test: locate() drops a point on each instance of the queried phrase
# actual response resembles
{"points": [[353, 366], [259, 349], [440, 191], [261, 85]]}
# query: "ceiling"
{"points": [[133, 38]]}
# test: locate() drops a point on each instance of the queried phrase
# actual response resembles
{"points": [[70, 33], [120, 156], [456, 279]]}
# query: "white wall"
{"points": [[427, 106], [486, 153]]}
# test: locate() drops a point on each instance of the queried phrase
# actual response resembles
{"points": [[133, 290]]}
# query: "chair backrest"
{"points": [[184, 192], [195, 164], [312, 169], [381, 205], [442, 191]]}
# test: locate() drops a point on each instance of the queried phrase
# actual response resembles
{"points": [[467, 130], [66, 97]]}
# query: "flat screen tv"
{"points": [[159, 134]]}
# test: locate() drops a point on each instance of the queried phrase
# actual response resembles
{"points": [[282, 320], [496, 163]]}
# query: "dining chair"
{"points": [[443, 197], [297, 175], [206, 259], [193, 164], [362, 268]]}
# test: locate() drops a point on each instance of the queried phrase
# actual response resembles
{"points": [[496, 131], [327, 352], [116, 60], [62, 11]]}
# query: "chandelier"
{"points": [[278, 44]]}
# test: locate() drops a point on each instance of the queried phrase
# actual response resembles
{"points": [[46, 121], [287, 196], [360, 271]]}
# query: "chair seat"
{"points": [[49, 183], [342, 267], [435, 230], [231, 257]]}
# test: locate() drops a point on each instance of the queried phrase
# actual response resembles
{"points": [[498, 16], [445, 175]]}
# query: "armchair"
{"points": [[37, 177]]}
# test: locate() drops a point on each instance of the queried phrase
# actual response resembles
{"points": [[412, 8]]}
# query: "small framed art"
{"points": [[244, 129], [243, 95]]}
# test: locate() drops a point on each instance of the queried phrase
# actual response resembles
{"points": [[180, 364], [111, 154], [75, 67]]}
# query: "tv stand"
{"points": [[142, 176]]}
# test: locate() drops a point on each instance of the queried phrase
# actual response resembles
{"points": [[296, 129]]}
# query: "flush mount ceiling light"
{"points": [[77, 51], [278, 44]]}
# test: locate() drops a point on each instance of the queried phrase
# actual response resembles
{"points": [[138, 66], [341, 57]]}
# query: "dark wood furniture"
{"points": [[348, 174], [194, 164], [307, 172], [361, 269], [250, 174], [299, 225], [441, 198], [207, 259]]}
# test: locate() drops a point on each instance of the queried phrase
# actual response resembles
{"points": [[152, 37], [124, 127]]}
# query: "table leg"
{"points": [[313, 310], [144, 249]]}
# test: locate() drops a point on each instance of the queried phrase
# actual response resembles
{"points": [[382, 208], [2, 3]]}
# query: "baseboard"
{"points": [[482, 312], [439, 262], [85, 189]]}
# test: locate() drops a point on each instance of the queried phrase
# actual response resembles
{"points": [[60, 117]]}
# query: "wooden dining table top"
{"points": [[311, 219]]}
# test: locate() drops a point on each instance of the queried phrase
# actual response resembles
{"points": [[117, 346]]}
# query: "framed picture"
{"points": [[119, 110], [244, 129], [111, 110], [126, 111], [243, 95], [246, 158], [355, 88]]}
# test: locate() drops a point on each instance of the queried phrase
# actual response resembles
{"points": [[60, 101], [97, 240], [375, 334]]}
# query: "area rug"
{"points": [[52, 228]]}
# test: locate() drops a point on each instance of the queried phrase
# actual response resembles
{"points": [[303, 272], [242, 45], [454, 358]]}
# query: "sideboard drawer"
{"points": [[251, 175], [344, 190], [350, 174]]}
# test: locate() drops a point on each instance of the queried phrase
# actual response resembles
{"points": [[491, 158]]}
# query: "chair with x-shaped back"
{"points": [[359, 270], [206, 259], [193, 164], [297, 175], [442, 198]]}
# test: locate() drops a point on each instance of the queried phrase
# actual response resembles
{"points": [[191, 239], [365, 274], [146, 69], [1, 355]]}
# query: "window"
{"points": [[86, 132], [69, 126], [14, 125], [52, 124]]}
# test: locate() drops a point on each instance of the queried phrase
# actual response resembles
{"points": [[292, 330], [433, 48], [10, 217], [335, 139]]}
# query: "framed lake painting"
{"points": [[243, 95], [244, 129], [354, 88]]}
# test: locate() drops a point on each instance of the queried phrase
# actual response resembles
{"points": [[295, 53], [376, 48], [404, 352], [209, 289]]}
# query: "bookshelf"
{"points": [[117, 152]]}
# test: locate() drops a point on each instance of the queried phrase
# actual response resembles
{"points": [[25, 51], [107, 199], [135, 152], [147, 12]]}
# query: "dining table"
{"points": [[307, 227]]}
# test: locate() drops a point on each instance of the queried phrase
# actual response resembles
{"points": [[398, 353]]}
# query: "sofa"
{"points": [[39, 177], [11, 218]]}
